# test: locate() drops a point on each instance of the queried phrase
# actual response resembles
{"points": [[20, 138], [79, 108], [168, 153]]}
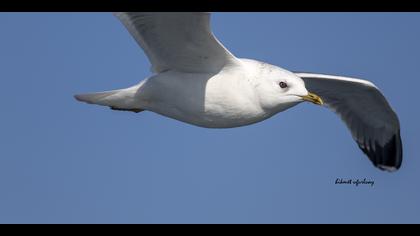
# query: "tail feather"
{"points": [[121, 99], [100, 98]]}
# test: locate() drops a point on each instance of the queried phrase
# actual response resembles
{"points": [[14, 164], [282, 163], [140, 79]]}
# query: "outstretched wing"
{"points": [[366, 112], [180, 41]]}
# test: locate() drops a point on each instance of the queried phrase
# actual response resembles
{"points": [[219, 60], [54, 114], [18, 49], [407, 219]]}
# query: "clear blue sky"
{"points": [[62, 161]]}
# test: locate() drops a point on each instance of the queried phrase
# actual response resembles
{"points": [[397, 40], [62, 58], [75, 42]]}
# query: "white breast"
{"points": [[223, 100]]}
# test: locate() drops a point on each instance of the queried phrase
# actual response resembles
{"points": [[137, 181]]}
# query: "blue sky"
{"points": [[62, 161]]}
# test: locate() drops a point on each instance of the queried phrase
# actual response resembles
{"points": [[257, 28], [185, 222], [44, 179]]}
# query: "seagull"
{"points": [[196, 80]]}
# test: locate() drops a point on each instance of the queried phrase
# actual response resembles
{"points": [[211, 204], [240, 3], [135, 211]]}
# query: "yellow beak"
{"points": [[311, 97]]}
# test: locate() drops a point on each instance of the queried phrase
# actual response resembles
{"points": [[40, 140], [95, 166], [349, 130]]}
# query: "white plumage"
{"points": [[198, 81]]}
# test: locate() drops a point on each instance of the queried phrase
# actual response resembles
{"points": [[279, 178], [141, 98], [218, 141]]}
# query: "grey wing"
{"points": [[366, 112], [180, 41]]}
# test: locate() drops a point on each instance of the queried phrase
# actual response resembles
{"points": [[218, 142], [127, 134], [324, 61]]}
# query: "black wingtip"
{"points": [[387, 157]]}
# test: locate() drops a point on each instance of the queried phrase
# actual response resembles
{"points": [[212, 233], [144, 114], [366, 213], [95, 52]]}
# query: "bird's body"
{"points": [[223, 100], [198, 81]]}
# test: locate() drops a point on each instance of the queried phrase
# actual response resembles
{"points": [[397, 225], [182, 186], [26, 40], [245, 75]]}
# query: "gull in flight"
{"points": [[198, 81]]}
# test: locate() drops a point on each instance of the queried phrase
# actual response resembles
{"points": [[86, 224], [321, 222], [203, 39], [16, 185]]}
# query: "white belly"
{"points": [[204, 100]]}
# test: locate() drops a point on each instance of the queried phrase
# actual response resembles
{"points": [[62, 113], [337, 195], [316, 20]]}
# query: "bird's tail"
{"points": [[120, 99]]}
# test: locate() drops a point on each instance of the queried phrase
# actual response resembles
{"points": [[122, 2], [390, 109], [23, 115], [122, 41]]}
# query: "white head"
{"points": [[279, 89]]}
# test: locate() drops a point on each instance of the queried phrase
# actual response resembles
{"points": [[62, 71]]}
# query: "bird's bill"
{"points": [[311, 97]]}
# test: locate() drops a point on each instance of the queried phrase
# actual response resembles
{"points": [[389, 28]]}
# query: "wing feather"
{"points": [[180, 41], [367, 114]]}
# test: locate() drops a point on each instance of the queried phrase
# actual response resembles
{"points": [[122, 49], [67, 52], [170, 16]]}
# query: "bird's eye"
{"points": [[283, 85]]}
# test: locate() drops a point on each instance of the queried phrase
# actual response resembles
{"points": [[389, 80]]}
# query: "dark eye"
{"points": [[283, 85]]}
